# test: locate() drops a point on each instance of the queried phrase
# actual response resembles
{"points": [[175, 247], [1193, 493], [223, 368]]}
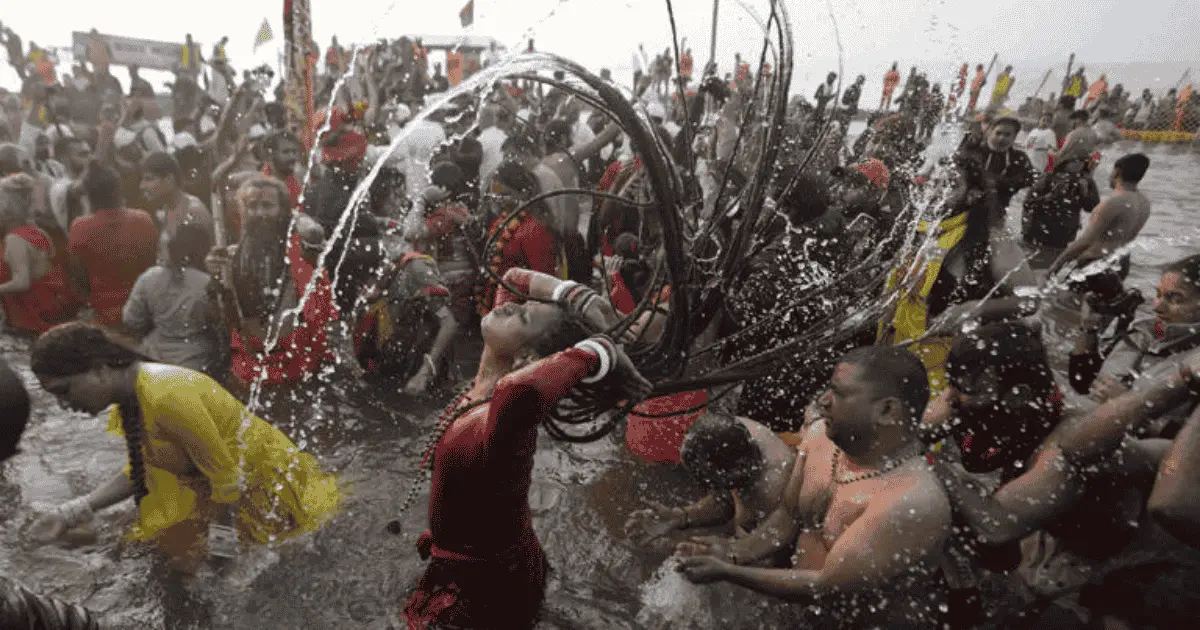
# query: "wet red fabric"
{"points": [[487, 568], [115, 246], [49, 300], [303, 350]]}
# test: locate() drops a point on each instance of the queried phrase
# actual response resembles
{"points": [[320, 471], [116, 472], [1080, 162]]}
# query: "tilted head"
{"points": [[1130, 169], [160, 178], [523, 332], [720, 454], [1177, 298], [874, 390], [81, 365]]}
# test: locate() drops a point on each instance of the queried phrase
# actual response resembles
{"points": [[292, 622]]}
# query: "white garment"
{"points": [[423, 140], [1038, 145], [581, 133], [491, 139]]}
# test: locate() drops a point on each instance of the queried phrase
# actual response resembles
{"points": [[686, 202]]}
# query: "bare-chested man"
{"points": [[864, 510], [741, 462], [1117, 220]]}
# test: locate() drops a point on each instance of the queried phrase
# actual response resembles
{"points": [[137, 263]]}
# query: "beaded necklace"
{"points": [[486, 291], [452, 413], [848, 478]]}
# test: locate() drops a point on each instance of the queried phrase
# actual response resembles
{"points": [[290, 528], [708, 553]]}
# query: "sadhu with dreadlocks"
{"points": [[488, 570], [197, 457]]}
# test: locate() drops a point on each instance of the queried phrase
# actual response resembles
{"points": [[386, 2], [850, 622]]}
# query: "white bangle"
{"points": [[602, 353], [76, 511], [562, 290], [429, 364]]}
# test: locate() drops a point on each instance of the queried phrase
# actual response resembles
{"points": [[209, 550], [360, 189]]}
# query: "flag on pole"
{"points": [[264, 34], [467, 14]]}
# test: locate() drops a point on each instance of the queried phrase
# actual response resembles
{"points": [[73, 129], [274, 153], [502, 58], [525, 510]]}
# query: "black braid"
{"points": [[133, 426]]}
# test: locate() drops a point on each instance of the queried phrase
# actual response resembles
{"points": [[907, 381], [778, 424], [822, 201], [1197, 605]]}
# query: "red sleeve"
{"points": [[77, 236], [620, 296], [524, 397], [520, 279]]}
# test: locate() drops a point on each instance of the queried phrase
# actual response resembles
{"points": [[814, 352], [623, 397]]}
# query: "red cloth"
{"points": [[531, 246], [48, 301], [651, 432], [303, 350], [115, 246], [875, 171], [606, 183], [488, 569]]}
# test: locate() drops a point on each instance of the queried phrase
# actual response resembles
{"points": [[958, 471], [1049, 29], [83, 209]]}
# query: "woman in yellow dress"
{"points": [[199, 462]]}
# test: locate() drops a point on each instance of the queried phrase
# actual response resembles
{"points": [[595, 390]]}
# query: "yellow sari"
{"points": [[201, 449]]}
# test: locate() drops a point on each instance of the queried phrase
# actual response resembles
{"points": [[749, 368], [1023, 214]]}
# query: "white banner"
{"points": [[127, 51]]}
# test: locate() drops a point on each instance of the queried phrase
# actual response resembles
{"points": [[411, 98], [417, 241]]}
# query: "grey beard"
{"points": [[260, 268]]}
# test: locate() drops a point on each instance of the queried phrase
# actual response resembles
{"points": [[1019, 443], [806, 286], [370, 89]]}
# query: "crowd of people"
{"points": [[925, 470]]}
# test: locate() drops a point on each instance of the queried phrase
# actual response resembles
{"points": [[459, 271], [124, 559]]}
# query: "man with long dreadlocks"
{"points": [[266, 278], [488, 569]]}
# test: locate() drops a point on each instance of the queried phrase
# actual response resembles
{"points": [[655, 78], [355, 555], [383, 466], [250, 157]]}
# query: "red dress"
{"points": [[525, 245], [48, 301], [487, 568], [115, 246], [303, 350]]}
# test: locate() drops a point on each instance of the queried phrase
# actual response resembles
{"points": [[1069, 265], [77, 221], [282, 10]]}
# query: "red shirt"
{"points": [[304, 349], [530, 246], [115, 246], [49, 300]]}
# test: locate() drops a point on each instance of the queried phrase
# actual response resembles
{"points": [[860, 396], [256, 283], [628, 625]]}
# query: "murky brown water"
{"points": [[353, 573]]}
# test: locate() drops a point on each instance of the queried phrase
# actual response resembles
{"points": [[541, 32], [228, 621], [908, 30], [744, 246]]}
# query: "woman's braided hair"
{"points": [[76, 348]]}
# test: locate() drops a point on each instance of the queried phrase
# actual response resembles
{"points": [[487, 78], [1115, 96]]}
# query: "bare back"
{"points": [[751, 508], [1119, 219]]}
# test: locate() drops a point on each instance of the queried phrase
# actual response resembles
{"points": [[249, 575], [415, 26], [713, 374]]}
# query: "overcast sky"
{"points": [[1034, 35]]}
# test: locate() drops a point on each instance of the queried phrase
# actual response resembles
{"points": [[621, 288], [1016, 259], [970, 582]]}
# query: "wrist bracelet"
{"points": [[596, 347], [563, 289], [76, 511]]}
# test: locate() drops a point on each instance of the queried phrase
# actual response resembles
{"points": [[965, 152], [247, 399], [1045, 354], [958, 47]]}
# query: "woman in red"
{"points": [[487, 568], [33, 280]]}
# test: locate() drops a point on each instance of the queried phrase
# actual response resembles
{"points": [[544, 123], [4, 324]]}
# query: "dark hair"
{"points": [[568, 330], [189, 246], [557, 135], [77, 347], [1189, 268], [1132, 167], [806, 199], [1010, 121], [160, 164], [102, 185], [447, 175], [719, 451], [1004, 434], [14, 411], [14, 159], [1080, 114], [1066, 101], [892, 372], [518, 178], [520, 143]]}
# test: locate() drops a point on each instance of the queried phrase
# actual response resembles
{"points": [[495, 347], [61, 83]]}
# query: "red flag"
{"points": [[467, 14]]}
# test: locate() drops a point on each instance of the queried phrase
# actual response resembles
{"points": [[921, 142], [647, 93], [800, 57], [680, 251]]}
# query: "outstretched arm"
{"points": [[1175, 501], [885, 542]]}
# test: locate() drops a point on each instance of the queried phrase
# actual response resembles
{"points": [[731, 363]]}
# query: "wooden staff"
{"points": [[1043, 83]]}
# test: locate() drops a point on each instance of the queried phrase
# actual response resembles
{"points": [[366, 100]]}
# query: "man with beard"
{"points": [[281, 153], [267, 275], [863, 509]]}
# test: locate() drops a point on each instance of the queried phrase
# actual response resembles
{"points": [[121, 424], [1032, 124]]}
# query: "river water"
{"points": [[353, 574]]}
